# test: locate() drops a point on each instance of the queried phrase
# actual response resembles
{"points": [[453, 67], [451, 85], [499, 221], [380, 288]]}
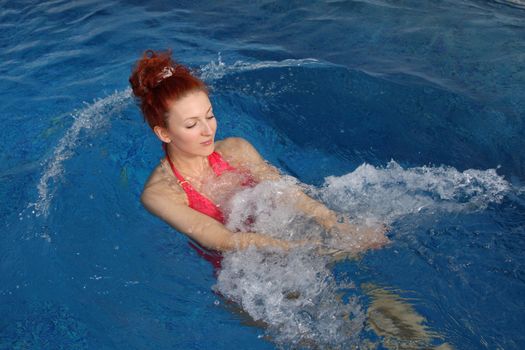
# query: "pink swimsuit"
{"points": [[204, 205]]}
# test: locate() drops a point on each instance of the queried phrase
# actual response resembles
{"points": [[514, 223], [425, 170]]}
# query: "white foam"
{"points": [[217, 69], [315, 317], [93, 116], [295, 295], [270, 203], [388, 193]]}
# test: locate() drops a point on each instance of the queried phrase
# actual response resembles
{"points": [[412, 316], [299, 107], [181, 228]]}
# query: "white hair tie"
{"points": [[165, 73]]}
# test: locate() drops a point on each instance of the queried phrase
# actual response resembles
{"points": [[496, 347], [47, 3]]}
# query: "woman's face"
{"points": [[191, 125]]}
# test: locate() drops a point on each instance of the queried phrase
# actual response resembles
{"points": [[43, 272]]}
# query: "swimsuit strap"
{"points": [[180, 179], [218, 164], [195, 199]]}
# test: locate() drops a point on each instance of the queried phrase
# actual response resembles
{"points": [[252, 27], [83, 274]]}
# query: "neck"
{"points": [[191, 165]]}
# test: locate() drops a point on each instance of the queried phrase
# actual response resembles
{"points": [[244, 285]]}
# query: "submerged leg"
{"points": [[391, 317]]}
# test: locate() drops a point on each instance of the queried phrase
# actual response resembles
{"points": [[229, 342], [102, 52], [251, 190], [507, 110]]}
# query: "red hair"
{"points": [[157, 81]]}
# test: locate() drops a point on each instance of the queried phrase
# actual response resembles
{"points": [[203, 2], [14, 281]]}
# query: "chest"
{"points": [[221, 188]]}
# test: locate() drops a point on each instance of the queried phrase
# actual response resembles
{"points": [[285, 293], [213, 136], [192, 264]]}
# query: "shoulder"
{"points": [[241, 154], [161, 188], [237, 149], [232, 144]]}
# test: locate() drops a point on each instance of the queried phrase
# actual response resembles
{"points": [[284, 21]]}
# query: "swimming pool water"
{"points": [[409, 113]]}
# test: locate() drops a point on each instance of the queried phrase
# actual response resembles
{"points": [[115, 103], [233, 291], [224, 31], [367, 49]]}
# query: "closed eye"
{"points": [[192, 125]]}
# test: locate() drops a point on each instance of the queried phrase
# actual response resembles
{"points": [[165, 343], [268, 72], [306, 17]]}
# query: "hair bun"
{"points": [[157, 81], [151, 69]]}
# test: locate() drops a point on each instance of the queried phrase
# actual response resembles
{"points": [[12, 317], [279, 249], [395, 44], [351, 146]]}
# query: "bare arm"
{"points": [[208, 232], [244, 154]]}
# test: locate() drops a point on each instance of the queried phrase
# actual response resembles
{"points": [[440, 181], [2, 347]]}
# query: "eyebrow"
{"points": [[209, 109]]}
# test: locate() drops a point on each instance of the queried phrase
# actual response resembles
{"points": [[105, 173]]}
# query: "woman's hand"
{"points": [[351, 238]]}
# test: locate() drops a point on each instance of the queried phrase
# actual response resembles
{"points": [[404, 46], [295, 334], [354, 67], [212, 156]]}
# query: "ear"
{"points": [[162, 133]]}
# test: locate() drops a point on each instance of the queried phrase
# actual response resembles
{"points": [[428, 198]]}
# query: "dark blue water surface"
{"points": [[411, 113]]}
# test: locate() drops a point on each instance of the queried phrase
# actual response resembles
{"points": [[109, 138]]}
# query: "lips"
{"points": [[207, 143]]}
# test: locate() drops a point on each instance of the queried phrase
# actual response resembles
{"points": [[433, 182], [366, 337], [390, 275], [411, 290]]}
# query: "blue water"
{"points": [[409, 113]]}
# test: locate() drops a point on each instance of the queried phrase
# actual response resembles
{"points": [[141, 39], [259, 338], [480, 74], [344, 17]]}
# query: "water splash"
{"points": [[270, 202], [94, 115], [216, 70], [391, 192], [296, 295]]}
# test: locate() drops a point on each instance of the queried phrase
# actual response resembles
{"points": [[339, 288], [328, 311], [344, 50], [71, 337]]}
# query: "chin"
{"points": [[207, 151]]}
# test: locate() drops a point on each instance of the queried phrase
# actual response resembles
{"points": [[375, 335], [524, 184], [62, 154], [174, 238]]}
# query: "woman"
{"points": [[199, 171]]}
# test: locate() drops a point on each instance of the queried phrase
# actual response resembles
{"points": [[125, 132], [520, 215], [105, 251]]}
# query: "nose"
{"points": [[206, 129]]}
